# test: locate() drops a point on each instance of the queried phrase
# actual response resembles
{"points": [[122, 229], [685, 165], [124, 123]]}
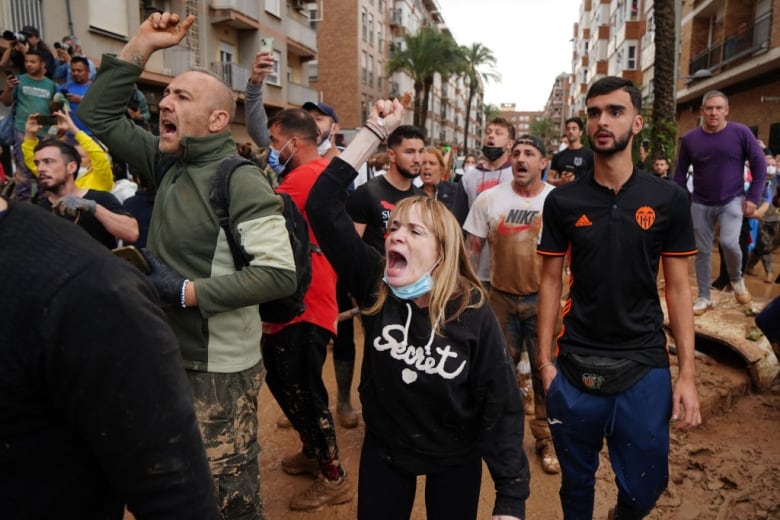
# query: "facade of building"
{"points": [[733, 47], [556, 109], [520, 119], [334, 51], [729, 46]]}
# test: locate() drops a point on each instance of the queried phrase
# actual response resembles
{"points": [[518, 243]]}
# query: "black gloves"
{"points": [[71, 205], [169, 284]]}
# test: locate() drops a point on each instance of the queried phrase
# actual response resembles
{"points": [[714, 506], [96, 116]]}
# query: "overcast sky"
{"points": [[530, 39]]}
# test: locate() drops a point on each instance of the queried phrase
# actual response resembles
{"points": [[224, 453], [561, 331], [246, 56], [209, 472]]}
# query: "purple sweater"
{"points": [[718, 164]]}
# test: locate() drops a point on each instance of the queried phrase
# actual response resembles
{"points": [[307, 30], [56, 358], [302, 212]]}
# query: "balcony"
{"points": [[301, 39], [177, 60], [750, 39], [298, 94], [233, 74], [238, 14]]}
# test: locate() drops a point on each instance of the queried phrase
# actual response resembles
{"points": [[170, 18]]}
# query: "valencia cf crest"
{"points": [[592, 381], [578, 161], [645, 216]]}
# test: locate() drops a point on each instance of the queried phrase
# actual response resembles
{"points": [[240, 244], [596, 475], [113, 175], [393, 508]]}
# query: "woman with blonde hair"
{"points": [[437, 388], [432, 170]]}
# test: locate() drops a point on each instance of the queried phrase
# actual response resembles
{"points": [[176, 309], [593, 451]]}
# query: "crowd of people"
{"points": [[142, 384]]}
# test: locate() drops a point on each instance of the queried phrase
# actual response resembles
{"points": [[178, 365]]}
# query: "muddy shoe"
{"points": [[347, 416], [301, 464], [323, 492], [701, 306], [550, 462], [740, 292]]}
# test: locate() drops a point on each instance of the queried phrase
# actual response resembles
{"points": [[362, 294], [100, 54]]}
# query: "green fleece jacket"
{"points": [[221, 334]]}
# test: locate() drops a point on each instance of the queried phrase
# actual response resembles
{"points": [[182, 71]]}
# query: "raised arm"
{"points": [[256, 117]]}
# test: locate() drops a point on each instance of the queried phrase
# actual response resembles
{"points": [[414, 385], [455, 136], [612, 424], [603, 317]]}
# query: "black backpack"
{"points": [[284, 309]]}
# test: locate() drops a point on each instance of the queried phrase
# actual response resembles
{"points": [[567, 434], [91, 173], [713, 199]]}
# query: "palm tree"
{"points": [[474, 58], [423, 56], [544, 128], [663, 128], [490, 112]]}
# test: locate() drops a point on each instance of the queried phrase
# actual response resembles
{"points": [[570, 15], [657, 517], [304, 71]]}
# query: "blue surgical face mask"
{"points": [[273, 159], [415, 289]]}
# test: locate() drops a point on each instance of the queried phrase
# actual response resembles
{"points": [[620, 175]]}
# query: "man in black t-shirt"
{"points": [[573, 161], [617, 225], [98, 212], [371, 203]]}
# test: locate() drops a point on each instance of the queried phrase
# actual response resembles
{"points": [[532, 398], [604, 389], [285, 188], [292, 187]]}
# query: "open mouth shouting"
{"points": [[396, 264]]}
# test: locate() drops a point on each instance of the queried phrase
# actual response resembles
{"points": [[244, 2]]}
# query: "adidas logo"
{"points": [[583, 221]]}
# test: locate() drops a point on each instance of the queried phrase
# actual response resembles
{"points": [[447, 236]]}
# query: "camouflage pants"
{"points": [[517, 317], [226, 409]]}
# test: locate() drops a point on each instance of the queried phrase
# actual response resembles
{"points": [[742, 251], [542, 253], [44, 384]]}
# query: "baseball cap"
{"points": [[322, 107], [531, 141], [29, 30]]}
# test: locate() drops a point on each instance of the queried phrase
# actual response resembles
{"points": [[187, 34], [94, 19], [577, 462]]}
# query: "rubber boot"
{"points": [[347, 416]]}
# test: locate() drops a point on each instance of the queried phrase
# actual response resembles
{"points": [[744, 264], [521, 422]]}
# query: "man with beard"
{"points": [[370, 204], [509, 218], [617, 225], [575, 160], [211, 307], [99, 213], [294, 352], [328, 126], [496, 144]]}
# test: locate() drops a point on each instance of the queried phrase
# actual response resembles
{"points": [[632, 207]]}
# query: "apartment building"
{"points": [[356, 39], [334, 50], [556, 109], [733, 47], [520, 119], [725, 45], [224, 40]]}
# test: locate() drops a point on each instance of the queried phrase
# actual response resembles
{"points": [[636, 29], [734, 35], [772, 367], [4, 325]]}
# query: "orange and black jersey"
{"points": [[616, 241]]}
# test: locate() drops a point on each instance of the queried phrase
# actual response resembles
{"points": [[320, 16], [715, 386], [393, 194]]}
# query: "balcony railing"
{"points": [[750, 38], [250, 8], [300, 32], [233, 74], [177, 60], [298, 94]]}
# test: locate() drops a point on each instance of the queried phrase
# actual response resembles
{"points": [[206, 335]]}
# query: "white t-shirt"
{"points": [[512, 225]]}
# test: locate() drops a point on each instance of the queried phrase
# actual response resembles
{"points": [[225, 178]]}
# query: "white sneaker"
{"points": [[701, 305], [740, 292]]}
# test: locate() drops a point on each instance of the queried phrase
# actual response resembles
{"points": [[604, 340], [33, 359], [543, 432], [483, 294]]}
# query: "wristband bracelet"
{"points": [[545, 365], [378, 131], [181, 296]]}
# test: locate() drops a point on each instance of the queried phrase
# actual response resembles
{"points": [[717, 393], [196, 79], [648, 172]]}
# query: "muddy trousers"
{"points": [[226, 409], [635, 423], [294, 357], [386, 492], [517, 317]]}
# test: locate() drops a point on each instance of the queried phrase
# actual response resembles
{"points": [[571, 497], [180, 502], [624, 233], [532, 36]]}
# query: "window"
{"points": [[371, 29], [380, 41], [112, 21], [631, 57], [371, 71], [379, 75], [364, 24], [272, 78], [226, 63], [273, 7], [363, 67]]}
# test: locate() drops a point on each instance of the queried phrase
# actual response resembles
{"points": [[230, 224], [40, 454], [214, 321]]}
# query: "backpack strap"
{"points": [[220, 201]]}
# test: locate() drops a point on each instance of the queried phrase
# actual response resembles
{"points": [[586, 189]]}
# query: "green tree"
{"points": [[544, 128], [475, 57], [490, 112], [422, 56]]}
